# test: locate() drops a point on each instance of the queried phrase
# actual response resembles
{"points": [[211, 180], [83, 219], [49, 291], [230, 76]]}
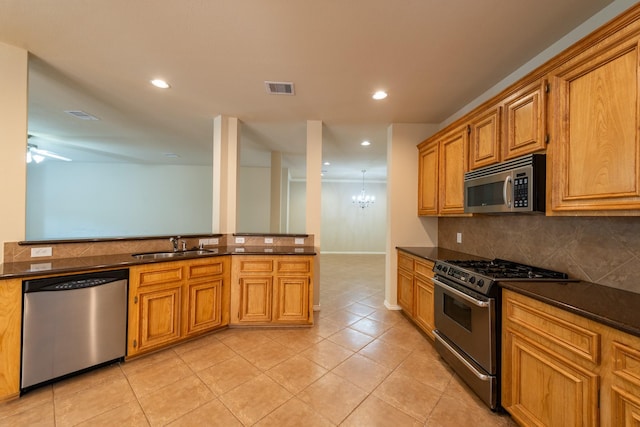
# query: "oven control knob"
{"points": [[444, 269], [480, 283], [438, 267], [472, 280]]}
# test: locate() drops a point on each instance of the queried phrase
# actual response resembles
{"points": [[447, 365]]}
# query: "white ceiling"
{"points": [[432, 56]]}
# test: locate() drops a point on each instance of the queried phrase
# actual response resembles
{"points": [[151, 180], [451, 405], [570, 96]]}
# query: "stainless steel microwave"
{"points": [[516, 185]]}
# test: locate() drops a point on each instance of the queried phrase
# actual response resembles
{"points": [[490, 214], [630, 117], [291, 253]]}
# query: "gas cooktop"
{"points": [[482, 274]]}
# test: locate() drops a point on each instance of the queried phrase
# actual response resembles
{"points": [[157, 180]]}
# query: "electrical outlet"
{"points": [[214, 241], [459, 238], [44, 251], [299, 241], [239, 240], [268, 240]]}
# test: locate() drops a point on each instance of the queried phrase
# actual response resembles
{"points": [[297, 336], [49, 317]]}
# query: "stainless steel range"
{"points": [[467, 317]]}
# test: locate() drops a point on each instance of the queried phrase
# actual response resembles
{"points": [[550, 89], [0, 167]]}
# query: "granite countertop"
{"points": [[75, 265], [610, 306], [435, 253]]}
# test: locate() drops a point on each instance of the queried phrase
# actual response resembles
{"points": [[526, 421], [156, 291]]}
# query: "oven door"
{"points": [[468, 320], [465, 337]]}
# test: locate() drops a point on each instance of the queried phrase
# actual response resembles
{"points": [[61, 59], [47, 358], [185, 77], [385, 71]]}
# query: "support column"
{"points": [[276, 192], [314, 196], [226, 134], [14, 72]]}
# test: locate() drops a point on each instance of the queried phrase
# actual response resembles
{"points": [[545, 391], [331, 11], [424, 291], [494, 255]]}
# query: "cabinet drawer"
{"points": [[256, 265], [558, 328], [626, 363], [405, 262], [293, 266], [204, 268], [170, 272], [424, 268]]}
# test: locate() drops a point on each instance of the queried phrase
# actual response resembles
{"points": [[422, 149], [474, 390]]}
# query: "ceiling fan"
{"points": [[35, 154]]}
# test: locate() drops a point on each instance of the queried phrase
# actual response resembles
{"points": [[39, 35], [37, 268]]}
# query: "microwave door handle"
{"points": [[505, 194]]}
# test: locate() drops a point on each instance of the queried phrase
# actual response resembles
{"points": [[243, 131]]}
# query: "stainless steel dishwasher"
{"points": [[72, 323]]}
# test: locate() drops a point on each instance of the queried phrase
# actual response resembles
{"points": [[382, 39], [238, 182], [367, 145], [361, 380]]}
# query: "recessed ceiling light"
{"points": [[327, 163], [365, 143], [160, 83], [380, 95]]}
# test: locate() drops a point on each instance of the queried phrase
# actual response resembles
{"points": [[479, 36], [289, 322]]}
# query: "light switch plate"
{"points": [[239, 240], [268, 240], [299, 241], [214, 241], [459, 237]]}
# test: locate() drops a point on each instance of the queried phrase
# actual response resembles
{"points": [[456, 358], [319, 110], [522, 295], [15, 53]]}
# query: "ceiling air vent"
{"points": [[79, 114], [280, 88]]}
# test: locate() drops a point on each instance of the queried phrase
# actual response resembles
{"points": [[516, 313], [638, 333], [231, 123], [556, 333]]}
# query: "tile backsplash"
{"points": [[595, 249]]}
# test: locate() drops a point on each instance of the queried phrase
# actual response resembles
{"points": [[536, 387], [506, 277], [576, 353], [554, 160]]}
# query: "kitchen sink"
{"points": [[159, 255]]}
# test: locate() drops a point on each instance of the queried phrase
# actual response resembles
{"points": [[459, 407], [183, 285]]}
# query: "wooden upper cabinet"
{"points": [[428, 179], [594, 147], [484, 138], [525, 121], [452, 166]]}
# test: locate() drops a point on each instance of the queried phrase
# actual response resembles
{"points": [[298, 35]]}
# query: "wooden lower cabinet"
{"points": [[271, 289], [173, 301], [10, 337], [415, 290], [423, 313], [561, 369]]}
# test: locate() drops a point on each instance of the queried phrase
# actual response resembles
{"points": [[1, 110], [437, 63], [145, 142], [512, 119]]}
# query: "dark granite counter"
{"points": [[77, 265], [436, 253], [610, 306]]}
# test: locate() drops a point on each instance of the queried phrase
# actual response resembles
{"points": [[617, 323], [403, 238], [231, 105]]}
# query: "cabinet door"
{"points": [[595, 140], [428, 179], [424, 305], [544, 388], [624, 385], [405, 291], [291, 300], [159, 316], [524, 121], [453, 165], [204, 305], [10, 337], [255, 299], [484, 142]]}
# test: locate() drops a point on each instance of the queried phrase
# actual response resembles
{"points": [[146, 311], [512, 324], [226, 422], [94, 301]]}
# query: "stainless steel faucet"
{"points": [[175, 241]]}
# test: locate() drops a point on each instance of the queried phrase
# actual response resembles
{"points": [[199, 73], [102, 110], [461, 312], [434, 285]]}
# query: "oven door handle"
{"points": [[466, 363], [469, 299]]}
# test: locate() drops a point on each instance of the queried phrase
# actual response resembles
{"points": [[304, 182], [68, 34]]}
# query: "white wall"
{"points": [[13, 143], [348, 228], [297, 207], [254, 199], [67, 200], [404, 227]]}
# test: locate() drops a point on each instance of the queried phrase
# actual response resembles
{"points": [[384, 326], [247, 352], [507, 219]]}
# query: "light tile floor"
{"points": [[360, 365]]}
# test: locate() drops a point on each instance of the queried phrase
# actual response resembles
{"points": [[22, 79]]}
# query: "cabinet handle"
{"points": [[135, 299], [135, 344]]}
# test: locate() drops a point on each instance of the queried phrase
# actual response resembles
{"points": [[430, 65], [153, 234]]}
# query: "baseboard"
{"points": [[316, 307], [392, 306]]}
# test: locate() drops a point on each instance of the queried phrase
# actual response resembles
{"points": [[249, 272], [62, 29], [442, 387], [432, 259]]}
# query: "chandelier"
{"points": [[363, 199]]}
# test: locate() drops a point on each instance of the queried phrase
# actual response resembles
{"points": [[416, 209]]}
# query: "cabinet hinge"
{"points": [[547, 88], [546, 139], [135, 344], [135, 299], [468, 129]]}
